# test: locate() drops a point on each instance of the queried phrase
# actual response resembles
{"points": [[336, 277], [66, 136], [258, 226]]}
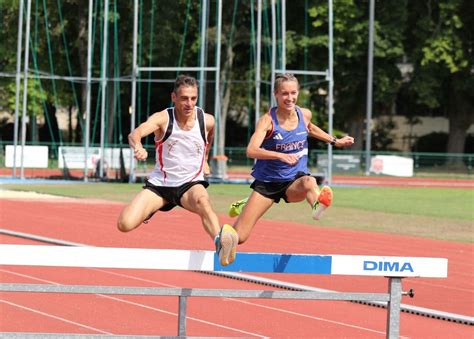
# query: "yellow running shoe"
{"points": [[323, 202], [236, 207], [226, 245]]}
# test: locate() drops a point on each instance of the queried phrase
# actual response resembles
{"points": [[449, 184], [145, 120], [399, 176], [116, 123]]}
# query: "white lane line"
{"points": [[308, 316], [255, 304], [201, 320], [441, 286], [49, 315], [248, 303], [176, 314], [143, 305]]}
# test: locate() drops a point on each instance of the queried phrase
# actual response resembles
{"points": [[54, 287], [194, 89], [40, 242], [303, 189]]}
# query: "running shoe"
{"points": [[323, 202], [226, 245], [236, 207]]}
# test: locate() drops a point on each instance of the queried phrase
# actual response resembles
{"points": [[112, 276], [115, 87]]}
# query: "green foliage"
{"points": [[445, 46], [439, 48], [350, 53], [34, 101]]}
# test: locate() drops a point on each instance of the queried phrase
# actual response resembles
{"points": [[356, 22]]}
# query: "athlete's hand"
{"points": [[291, 159], [344, 141], [140, 153], [206, 169]]}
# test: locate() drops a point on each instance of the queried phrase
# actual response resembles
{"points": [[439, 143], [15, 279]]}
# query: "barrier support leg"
{"points": [[182, 316], [393, 307]]}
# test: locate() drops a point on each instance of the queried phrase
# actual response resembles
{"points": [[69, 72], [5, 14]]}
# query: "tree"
{"points": [[440, 43], [350, 58]]}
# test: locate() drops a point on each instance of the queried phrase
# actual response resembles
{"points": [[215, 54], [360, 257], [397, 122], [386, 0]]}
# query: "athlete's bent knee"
{"points": [[309, 183], [202, 204], [123, 226]]}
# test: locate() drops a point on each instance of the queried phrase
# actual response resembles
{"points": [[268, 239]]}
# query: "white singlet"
{"points": [[180, 154]]}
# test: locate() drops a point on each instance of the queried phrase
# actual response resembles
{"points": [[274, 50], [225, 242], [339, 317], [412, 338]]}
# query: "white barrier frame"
{"points": [[393, 268]]}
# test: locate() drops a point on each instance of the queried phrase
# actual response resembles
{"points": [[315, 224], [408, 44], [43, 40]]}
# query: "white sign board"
{"points": [[389, 266], [340, 163], [74, 157], [33, 156], [392, 165]]}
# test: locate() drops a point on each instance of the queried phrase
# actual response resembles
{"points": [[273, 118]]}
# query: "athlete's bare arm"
{"points": [[156, 123], [254, 151], [210, 125], [317, 133]]}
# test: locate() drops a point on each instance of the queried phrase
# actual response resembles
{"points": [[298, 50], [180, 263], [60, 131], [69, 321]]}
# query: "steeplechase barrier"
{"points": [[393, 268]]}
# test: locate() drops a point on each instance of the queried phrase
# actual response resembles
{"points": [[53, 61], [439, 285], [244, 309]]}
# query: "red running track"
{"points": [[93, 223]]}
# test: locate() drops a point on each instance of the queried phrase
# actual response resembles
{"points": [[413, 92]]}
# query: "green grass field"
{"points": [[446, 214]]}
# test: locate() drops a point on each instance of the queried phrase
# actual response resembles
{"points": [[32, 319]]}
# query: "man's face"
{"points": [[185, 99]]}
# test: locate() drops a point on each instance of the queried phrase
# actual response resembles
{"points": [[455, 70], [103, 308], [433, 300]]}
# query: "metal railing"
{"points": [[425, 164], [392, 298]]}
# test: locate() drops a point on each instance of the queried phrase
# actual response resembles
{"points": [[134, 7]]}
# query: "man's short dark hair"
{"points": [[184, 80]]}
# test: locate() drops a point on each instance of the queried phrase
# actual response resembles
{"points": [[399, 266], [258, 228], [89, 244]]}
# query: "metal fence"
{"points": [[345, 162]]}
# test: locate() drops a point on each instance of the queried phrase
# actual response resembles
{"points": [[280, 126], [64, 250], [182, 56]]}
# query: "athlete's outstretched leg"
{"points": [[196, 200], [306, 188], [323, 202], [255, 208], [140, 209]]}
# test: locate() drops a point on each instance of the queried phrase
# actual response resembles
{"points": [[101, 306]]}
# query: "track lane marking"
{"points": [[232, 299], [142, 305], [49, 315]]}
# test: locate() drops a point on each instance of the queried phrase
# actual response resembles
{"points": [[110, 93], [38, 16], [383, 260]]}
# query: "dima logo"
{"points": [[387, 266]]}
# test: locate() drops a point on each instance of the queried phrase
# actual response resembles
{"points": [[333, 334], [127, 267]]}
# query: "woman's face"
{"points": [[286, 95]]}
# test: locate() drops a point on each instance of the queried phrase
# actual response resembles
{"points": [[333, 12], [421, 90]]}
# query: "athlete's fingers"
{"points": [[206, 169], [140, 154], [291, 159]]}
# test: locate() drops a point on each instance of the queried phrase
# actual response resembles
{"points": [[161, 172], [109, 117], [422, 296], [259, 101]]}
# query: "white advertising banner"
{"points": [[340, 163], [389, 266], [74, 157], [33, 157], [392, 165]]}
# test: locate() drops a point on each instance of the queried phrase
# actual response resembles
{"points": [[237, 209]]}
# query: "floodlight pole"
{"points": [[273, 65], [217, 96], [203, 61], [104, 88], [131, 177], [88, 90], [25, 89], [258, 62], [17, 86], [368, 123], [330, 88], [283, 35]]}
